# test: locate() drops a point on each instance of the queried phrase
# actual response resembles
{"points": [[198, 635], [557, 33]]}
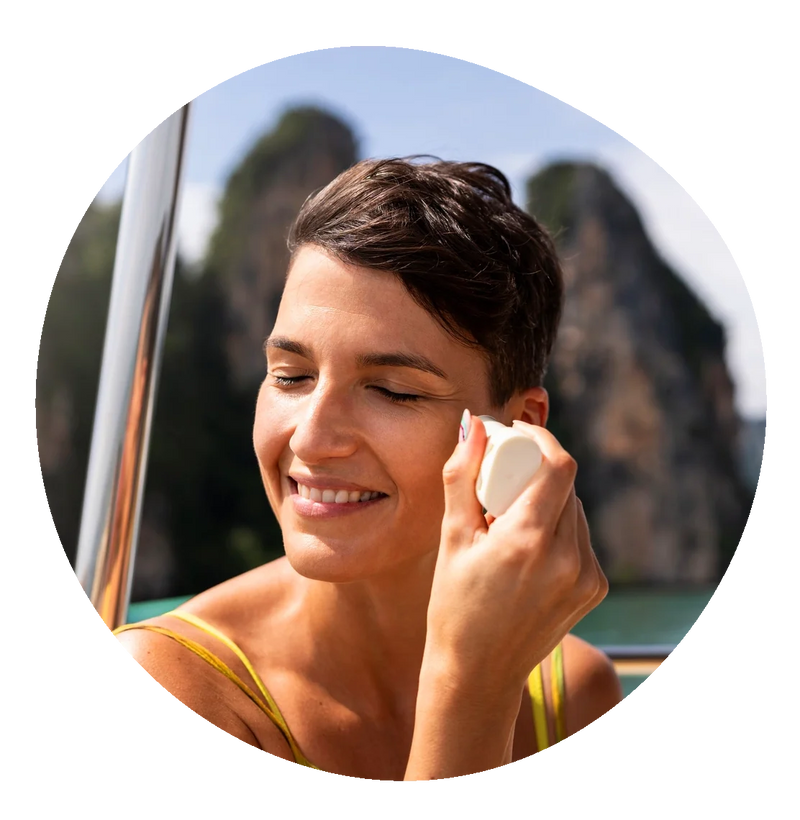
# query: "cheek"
{"points": [[419, 524], [268, 441], [423, 460]]}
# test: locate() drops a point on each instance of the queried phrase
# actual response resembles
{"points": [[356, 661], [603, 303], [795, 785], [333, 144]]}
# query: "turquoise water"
{"points": [[150, 609], [625, 617], [643, 617]]}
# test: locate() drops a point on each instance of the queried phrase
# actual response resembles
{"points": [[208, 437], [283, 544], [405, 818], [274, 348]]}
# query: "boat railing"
{"points": [[637, 659], [137, 320]]}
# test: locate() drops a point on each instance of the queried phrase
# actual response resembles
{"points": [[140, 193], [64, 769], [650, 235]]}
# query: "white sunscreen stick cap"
{"points": [[509, 463]]}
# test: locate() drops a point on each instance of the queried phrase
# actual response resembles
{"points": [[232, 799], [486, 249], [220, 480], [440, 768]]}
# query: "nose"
{"points": [[325, 426]]}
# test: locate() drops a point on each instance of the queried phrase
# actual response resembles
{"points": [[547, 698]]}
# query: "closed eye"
{"points": [[398, 398], [286, 381]]}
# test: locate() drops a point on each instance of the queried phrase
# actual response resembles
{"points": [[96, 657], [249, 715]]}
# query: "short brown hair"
{"points": [[483, 268]]}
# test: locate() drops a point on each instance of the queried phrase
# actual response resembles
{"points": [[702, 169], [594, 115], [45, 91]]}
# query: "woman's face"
{"points": [[333, 421]]}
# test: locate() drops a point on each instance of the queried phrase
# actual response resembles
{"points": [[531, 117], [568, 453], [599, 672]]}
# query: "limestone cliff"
{"points": [[640, 391], [305, 151]]}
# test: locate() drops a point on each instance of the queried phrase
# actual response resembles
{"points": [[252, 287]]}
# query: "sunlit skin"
{"points": [[338, 628], [337, 422]]}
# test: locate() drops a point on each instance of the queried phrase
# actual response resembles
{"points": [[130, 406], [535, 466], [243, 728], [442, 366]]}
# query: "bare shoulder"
{"points": [[192, 679], [592, 686], [185, 676]]}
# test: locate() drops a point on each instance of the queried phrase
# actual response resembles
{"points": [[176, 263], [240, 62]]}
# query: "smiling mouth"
{"points": [[342, 497]]}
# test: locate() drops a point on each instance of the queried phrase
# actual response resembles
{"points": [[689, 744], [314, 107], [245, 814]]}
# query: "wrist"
{"points": [[462, 725], [472, 679]]}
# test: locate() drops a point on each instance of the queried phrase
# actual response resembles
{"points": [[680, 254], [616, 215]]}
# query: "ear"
{"points": [[532, 405]]}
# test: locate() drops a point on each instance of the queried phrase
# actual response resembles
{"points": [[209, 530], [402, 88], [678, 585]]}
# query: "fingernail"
{"points": [[463, 430]]}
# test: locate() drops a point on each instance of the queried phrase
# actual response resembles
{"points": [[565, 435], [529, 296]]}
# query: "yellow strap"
{"points": [[536, 688], [557, 689], [223, 668], [215, 633]]}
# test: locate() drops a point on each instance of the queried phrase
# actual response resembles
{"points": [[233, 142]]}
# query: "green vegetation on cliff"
{"points": [[549, 196], [300, 136], [69, 365]]}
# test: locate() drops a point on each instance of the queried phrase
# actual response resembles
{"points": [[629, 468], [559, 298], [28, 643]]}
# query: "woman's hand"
{"points": [[505, 592]]}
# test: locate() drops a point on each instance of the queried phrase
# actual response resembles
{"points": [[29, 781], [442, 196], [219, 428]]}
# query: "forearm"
{"points": [[461, 727]]}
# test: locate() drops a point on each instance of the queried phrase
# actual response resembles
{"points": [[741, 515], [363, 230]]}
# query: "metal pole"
{"points": [[137, 318]]}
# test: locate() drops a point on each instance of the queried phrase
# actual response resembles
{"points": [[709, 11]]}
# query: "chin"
{"points": [[331, 560], [347, 561]]}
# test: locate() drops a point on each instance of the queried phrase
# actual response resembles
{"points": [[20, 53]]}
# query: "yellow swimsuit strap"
{"points": [[557, 689], [269, 708], [536, 689]]}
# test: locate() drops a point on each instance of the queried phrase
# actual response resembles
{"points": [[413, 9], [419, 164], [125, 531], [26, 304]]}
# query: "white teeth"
{"points": [[335, 496]]}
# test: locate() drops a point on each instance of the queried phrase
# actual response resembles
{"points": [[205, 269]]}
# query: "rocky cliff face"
{"points": [[307, 149], [640, 391]]}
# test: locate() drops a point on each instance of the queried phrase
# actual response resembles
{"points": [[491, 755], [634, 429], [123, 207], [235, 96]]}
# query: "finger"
{"points": [[554, 456], [558, 468], [588, 557], [548, 443], [566, 541], [565, 548], [462, 510], [594, 578], [567, 526], [541, 504]]}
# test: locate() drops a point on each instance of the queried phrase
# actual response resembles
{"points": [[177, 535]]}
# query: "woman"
{"points": [[397, 638]]}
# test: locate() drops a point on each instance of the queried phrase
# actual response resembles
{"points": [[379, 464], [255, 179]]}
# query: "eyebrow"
{"points": [[398, 359]]}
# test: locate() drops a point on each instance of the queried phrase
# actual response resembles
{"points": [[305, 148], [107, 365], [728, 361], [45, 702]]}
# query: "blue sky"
{"points": [[402, 102]]}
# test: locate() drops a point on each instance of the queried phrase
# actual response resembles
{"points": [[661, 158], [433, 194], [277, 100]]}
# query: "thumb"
{"points": [[462, 510]]}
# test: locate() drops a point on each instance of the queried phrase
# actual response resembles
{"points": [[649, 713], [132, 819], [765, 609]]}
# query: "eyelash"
{"points": [[397, 398]]}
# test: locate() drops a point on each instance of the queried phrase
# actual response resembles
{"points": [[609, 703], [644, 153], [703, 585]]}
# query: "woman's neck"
{"points": [[373, 633]]}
